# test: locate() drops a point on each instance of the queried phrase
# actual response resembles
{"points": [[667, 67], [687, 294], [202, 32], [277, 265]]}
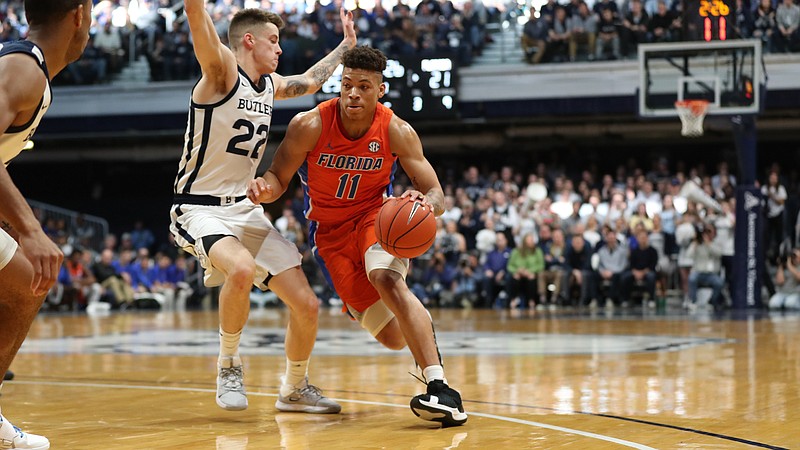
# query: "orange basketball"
{"points": [[405, 228]]}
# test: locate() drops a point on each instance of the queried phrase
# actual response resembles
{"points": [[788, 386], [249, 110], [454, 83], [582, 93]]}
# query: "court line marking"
{"points": [[362, 402]]}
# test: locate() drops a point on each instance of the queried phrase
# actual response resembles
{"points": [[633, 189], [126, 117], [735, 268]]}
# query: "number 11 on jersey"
{"points": [[344, 180]]}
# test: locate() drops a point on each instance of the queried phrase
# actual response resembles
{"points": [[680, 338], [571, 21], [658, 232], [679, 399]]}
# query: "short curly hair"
{"points": [[246, 20], [364, 58], [47, 12]]}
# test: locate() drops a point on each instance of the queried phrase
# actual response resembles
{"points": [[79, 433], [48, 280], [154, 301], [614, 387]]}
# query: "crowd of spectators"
{"points": [[508, 238], [127, 30], [607, 29]]}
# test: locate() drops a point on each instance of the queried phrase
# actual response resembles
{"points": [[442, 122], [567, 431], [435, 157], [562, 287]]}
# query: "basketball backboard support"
{"points": [[727, 74]]}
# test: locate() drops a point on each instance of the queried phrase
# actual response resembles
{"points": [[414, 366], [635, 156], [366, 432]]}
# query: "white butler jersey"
{"points": [[13, 140], [225, 141]]}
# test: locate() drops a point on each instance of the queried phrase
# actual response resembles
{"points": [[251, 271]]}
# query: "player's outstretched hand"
{"points": [[45, 257], [417, 196], [348, 25], [258, 191]]}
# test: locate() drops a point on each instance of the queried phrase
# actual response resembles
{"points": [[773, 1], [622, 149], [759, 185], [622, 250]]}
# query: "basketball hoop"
{"points": [[692, 113]]}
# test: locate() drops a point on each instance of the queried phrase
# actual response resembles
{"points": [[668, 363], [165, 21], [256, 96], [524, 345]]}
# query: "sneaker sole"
{"points": [[227, 407], [434, 412], [289, 407]]}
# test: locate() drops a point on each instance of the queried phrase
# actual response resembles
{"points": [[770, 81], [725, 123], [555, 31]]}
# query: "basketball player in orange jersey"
{"points": [[29, 260], [345, 151], [226, 137]]}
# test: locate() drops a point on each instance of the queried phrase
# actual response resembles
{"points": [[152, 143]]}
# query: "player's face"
{"points": [[81, 37], [361, 90], [267, 48]]}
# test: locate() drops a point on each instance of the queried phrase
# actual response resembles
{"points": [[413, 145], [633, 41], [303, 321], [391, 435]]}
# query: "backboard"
{"points": [[728, 74]]}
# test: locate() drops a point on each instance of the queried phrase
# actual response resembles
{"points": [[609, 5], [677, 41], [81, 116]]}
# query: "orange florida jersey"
{"points": [[345, 178]]}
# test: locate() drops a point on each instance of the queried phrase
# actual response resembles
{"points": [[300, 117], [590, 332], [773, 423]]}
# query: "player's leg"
{"points": [[18, 308], [237, 265], [440, 403], [296, 394]]}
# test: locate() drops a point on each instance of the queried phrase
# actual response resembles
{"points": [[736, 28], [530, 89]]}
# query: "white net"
{"points": [[692, 113]]}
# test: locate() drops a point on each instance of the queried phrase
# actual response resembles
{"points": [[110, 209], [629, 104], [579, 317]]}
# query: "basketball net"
{"points": [[692, 113]]}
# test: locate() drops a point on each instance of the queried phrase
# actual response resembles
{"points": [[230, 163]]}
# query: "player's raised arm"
{"points": [[405, 143], [301, 136], [216, 60], [313, 78]]}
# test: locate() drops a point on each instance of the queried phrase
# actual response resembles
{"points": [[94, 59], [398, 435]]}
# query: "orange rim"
{"points": [[697, 107]]}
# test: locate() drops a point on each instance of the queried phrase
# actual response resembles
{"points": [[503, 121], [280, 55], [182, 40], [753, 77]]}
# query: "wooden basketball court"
{"points": [[146, 380]]}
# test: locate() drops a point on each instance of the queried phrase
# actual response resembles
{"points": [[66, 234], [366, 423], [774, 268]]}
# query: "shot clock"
{"points": [[712, 20], [416, 87]]}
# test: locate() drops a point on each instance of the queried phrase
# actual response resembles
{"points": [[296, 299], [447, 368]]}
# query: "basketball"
{"points": [[405, 228]]}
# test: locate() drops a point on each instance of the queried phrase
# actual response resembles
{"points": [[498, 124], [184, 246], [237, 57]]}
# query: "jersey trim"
{"points": [[32, 50], [201, 152], [219, 103]]}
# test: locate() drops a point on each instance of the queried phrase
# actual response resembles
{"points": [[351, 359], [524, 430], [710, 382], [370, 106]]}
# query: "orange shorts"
{"points": [[340, 251]]}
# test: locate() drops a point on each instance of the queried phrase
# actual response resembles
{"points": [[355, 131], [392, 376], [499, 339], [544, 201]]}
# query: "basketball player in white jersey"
{"points": [[226, 137], [29, 260]]}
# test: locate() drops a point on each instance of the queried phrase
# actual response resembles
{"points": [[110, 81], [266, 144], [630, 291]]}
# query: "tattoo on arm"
{"points": [[295, 87], [6, 226]]}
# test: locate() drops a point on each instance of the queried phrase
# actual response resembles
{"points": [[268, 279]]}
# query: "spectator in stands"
{"points": [[601, 5], [612, 262], [724, 224], [764, 24], [607, 35], [504, 214], [640, 217], [495, 273], [743, 26], [558, 37], [79, 282], [524, 265], [663, 26], [111, 280], [473, 184], [109, 41], [582, 32], [776, 196], [788, 292], [450, 243], [469, 224], [554, 269], [469, 279], [787, 33], [707, 257], [642, 261], [578, 270], [534, 38], [634, 29], [664, 244]]}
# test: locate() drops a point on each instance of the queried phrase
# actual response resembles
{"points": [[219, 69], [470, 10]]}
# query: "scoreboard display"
{"points": [[710, 20], [416, 87]]}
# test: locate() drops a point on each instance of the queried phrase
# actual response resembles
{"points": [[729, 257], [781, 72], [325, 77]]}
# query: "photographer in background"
{"points": [[788, 293], [707, 256]]}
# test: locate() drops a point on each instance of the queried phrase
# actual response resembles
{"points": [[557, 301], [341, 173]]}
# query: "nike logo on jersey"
{"points": [[347, 162]]}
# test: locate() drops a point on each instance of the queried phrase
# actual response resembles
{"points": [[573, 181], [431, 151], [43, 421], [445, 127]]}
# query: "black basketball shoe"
{"points": [[8, 376], [440, 404]]}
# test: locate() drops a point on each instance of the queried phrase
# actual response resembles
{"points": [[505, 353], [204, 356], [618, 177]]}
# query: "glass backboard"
{"points": [[727, 74]]}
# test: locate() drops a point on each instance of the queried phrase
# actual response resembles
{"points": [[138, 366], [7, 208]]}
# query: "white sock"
{"points": [[296, 372], [431, 373], [229, 343]]}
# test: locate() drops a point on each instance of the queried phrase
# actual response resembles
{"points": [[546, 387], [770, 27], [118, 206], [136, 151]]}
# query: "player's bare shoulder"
{"points": [[403, 139], [22, 81]]}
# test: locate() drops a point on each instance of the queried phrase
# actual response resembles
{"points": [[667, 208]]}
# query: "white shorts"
{"points": [[245, 221], [8, 246]]}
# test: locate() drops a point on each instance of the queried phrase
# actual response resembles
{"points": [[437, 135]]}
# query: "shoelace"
{"points": [[232, 378], [311, 389]]}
